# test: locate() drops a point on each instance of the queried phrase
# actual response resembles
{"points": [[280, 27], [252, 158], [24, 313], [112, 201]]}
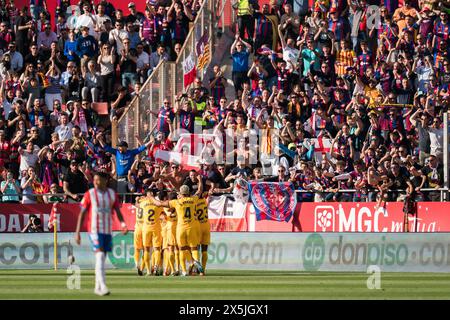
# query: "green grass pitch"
{"points": [[259, 285]]}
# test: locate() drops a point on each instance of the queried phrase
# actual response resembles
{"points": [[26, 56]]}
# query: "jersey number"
{"points": [[151, 213], [140, 213], [200, 215], [187, 213]]}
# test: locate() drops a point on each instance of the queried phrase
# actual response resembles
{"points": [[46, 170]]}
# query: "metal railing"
{"points": [[129, 195], [166, 81]]}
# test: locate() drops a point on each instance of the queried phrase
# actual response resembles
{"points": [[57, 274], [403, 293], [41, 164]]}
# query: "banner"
{"points": [[188, 150], [226, 214], [14, 217], [203, 51], [309, 252], [189, 70], [360, 217], [273, 200]]}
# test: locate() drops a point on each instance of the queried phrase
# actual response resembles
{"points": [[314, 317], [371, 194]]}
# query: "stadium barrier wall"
{"points": [[310, 252], [227, 215]]}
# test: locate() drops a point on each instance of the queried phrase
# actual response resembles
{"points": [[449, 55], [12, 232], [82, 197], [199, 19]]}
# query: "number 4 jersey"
{"points": [[186, 211]]}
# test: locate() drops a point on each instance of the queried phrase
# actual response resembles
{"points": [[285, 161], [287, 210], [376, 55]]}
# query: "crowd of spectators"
{"points": [[56, 70], [377, 91]]}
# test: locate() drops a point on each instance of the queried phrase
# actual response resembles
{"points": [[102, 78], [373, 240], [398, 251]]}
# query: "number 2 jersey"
{"points": [[150, 215]]}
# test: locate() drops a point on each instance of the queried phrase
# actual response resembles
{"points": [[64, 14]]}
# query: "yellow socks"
{"points": [[147, 261], [171, 260], [195, 255], [177, 260], [137, 256], [204, 259], [183, 258], [157, 257]]}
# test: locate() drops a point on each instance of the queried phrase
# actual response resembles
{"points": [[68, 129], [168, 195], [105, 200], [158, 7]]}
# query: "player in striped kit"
{"points": [[100, 202]]}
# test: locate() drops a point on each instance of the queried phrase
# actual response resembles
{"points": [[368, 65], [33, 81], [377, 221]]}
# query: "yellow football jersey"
{"points": [[139, 217], [151, 214], [202, 210], [185, 209], [171, 216]]}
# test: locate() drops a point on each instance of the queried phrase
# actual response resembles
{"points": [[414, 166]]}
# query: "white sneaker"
{"points": [[101, 292], [184, 274]]}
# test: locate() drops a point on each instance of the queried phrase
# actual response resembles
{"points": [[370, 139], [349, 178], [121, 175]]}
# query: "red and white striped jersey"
{"points": [[100, 206]]}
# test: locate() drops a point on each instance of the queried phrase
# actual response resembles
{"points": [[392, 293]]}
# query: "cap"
{"points": [[184, 189], [123, 144], [425, 9], [41, 118], [73, 161], [292, 146], [333, 10], [39, 62], [317, 9], [131, 4], [69, 102]]}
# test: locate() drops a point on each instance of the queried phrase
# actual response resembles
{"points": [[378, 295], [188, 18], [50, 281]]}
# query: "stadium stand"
{"points": [[354, 109]]}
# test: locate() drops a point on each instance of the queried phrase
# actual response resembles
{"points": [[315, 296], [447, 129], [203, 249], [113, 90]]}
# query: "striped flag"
{"points": [[203, 51], [52, 219]]}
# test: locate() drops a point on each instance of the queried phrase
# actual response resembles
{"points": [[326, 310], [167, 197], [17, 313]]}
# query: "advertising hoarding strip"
{"points": [[309, 252], [226, 214]]}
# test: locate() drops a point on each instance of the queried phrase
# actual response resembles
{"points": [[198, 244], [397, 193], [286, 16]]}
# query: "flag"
{"points": [[52, 219], [273, 200], [310, 125], [203, 51], [264, 51], [189, 70], [225, 214], [314, 123]]}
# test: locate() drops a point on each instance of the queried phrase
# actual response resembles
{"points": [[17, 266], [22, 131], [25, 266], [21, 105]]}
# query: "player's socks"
{"points": [[196, 260], [204, 259], [195, 255], [188, 255], [183, 260], [171, 261], [100, 270], [153, 258], [157, 261], [177, 260], [137, 255], [147, 261]]}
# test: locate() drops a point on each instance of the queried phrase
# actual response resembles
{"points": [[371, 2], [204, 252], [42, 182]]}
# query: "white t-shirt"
{"points": [[87, 21], [117, 37], [142, 60], [29, 159], [64, 132], [436, 140], [423, 76], [291, 55]]}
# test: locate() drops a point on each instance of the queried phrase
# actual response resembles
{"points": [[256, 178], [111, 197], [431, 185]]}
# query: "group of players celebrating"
{"points": [[169, 231]]}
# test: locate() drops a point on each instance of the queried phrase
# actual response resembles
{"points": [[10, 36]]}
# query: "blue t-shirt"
{"points": [[124, 161], [240, 61]]}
